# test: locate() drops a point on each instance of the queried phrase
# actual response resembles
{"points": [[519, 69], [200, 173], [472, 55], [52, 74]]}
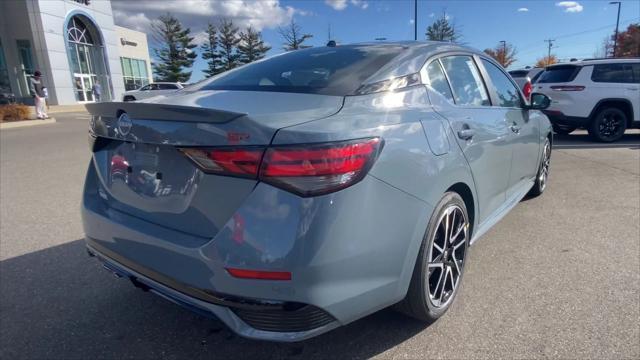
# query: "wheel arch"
{"points": [[620, 103], [466, 194]]}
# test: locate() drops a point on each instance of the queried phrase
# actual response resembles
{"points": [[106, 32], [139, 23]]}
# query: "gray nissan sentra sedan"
{"points": [[302, 192]]}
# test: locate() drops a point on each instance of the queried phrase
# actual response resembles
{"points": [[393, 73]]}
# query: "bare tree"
{"points": [[293, 37]]}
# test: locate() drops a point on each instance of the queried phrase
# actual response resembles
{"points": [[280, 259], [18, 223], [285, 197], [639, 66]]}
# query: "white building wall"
{"points": [[140, 51]]}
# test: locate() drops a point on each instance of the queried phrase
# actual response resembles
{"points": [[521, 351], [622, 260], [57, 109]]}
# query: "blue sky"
{"points": [[578, 27]]}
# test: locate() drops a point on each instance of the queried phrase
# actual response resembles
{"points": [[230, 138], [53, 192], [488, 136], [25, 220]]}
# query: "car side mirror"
{"points": [[539, 102]]}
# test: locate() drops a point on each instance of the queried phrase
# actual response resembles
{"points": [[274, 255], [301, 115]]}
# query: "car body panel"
{"points": [[349, 252]]}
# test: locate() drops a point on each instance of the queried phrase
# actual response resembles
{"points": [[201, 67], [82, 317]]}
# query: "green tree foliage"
{"points": [[442, 30], [210, 52], [293, 37], [504, 54], [228, 40], [251, 46], [174, 51]]}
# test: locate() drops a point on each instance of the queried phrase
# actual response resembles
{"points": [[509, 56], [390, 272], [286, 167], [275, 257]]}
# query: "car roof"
{"points": [[598, 61]]}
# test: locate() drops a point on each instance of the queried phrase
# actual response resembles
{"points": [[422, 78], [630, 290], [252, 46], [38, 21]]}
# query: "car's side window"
{"points": [[144, 88], [612, 73], [438, 81], [508, 94], [466, 82]]}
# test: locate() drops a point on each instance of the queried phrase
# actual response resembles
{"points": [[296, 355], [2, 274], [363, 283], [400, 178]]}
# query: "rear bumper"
{"points": [[350, 253], [557, 117]]}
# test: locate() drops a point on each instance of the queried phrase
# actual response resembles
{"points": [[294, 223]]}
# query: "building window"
{"points": [[135, 73], [86, 58], [5, 87]]}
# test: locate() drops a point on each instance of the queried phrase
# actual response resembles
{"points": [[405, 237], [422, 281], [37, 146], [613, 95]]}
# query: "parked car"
{"points": [[149, 90], [305, 191], [525, 78], [602, 96]]}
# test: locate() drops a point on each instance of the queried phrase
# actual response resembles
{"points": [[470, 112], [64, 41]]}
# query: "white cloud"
{"points": [[411, 22], [338, 5], [196, 14], [432, 15], [360, 3], [523, 9], [570, 6]]}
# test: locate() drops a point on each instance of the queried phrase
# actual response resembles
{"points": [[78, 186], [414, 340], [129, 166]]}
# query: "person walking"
{"points": [[37, 92], [97, 91]]}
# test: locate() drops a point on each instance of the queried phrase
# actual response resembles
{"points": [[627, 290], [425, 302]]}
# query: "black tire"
{"points": [[129, 98], [608, 125], [563, 129], [542, 176], [418, 302]]}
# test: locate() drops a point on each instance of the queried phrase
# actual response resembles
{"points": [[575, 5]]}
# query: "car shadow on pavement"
{"points": [[59, 303], [581, 140]]}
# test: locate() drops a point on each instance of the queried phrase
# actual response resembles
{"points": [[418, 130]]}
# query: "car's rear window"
{"points": [[324, 70], [559, 74], [518, 73]]}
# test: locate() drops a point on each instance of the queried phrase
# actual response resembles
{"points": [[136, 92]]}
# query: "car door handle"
{"points": [[515, 128], [466, 134]]}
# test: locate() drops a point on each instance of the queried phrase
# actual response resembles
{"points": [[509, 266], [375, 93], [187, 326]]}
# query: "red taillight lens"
{"points": [[319, 168], [242, 162], [567, 87], [526, 90], [259, 275], [306, 170]]}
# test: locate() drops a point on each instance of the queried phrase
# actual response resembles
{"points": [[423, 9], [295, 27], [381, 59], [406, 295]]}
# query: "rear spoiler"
{"points": [[161, 112]]}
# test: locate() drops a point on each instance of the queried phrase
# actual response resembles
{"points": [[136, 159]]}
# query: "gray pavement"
{"points": [[558, 277]]}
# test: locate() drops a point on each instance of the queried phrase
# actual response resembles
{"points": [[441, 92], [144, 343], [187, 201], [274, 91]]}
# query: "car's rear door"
{"points": [[618, 81], [524, 135], [481, 131]]}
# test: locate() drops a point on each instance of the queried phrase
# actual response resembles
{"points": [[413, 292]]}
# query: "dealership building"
{"points": [[74, 44]]}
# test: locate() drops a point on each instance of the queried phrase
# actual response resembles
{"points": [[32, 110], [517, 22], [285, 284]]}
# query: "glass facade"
{"points": [[135, 73]]}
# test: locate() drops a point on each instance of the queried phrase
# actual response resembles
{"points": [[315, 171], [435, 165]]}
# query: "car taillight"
{"points": [[319, 168], [306, 170], [241, 162], [567, 87], [526, 90]]}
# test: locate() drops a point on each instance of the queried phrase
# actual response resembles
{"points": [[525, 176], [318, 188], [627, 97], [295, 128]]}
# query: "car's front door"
{"points": [[481, 132], [524, 137]]}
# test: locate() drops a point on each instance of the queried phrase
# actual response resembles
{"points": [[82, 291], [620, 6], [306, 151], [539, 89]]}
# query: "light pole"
{"points": [[415, 20], [615, 37], [504, 51]]}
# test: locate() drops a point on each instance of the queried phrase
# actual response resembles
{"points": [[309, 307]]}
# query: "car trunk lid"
{"points": [[144, 174]]}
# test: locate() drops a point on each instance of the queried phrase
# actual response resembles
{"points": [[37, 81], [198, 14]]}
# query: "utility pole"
{"points": [[329, 32], [615, 37], [504, 52], [550, 41], [415, 20]]}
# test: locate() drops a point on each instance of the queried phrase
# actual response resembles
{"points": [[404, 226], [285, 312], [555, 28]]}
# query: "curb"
{"points": [[25, 123]]}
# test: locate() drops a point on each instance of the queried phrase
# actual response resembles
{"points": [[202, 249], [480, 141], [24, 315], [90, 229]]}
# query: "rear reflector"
{"points": [[567, 87], [306, 170], [259, 275]]}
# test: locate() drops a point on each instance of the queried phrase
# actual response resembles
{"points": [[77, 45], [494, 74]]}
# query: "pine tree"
{"points": [[228, 40], [210, 52], [175, 50], [293, 37], [251, 46], [442, 30]]}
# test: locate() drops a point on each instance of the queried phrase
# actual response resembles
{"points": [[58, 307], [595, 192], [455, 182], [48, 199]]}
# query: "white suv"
{"points": [[153, 89], [602, 96]]}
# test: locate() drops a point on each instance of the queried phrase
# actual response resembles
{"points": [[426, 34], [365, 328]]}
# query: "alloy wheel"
{"points": [[544, 168], [610, 125], [447, 255]]}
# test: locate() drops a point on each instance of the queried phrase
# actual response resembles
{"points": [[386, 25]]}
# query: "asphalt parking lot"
{"points": [[558, 277]]}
